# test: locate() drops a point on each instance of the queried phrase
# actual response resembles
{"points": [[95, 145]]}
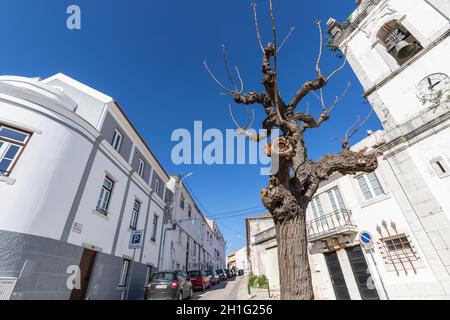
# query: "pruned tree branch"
{"points": [[297, 178], [286, 38], [205, 63], [340, 68], [354, 129], [225, 60], [255, 15], [319, 25]]}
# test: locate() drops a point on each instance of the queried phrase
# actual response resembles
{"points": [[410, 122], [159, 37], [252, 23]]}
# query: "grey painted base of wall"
{"points": [[40, 264]]}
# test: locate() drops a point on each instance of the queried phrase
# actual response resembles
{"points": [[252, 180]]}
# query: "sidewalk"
{"points": [[263, 294], [256, 294]]}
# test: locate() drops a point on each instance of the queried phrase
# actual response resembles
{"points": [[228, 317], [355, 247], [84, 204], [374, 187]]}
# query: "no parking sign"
{"points": [[366, 239]]}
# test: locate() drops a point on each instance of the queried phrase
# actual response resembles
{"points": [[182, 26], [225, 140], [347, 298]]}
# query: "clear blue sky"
{"points": [[148, 55]]}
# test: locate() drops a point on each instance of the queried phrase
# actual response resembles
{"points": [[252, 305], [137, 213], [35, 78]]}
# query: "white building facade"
{"points": [[195, 242], [76, 181], [399, 51]]}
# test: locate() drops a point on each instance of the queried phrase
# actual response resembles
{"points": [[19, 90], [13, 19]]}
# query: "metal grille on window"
{"points": [[397, 249]]}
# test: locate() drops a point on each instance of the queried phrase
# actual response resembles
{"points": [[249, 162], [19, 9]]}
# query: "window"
{"points": [[370, 186], [180, 234], [124, 273], [189, 211], [12, 143], [182, 201], [155, 227], [141, 168], [117, 140], [157, 183], [316, 207], [105, 196], [440, 167], [398, 41], [398, 251], [135, 214], [337, 203]]}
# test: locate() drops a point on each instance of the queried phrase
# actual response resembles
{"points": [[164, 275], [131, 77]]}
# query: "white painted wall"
{"points": [[372, 65], [46, 175], [38, 195]]}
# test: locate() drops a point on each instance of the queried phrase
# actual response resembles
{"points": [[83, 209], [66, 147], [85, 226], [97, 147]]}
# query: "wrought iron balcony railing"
{"points": [[336, 223]]}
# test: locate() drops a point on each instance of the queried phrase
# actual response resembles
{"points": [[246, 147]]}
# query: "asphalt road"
{"points": [[234, 289]]}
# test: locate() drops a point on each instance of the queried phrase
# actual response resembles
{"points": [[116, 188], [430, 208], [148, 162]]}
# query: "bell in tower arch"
{"points": [[405, 50]]}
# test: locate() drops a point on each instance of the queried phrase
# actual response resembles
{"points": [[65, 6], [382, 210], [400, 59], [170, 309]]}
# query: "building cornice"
{"points": [[415, 130]]}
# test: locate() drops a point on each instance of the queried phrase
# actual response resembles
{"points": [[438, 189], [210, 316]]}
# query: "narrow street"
{"points": [[233, 289]]}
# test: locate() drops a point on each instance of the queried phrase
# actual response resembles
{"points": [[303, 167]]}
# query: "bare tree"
{"points": [[293, 186]]}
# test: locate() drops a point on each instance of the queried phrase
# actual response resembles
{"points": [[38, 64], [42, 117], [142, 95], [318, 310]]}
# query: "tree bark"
{"points": [[295, 273]]}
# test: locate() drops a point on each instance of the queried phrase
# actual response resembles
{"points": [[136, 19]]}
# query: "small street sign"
{"points": [[136, 239], [366, 239]]}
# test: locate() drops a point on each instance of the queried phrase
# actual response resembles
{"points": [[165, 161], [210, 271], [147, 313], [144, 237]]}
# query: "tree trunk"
{"points": [[295, 273]]}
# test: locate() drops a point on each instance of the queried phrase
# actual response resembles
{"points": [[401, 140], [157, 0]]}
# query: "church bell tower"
{"points": [[399, 51]]}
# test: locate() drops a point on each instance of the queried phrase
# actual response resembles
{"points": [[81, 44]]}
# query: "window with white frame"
{"points": [[12, 142], [370, 186], [336, 200], [141, 168], [157, 184], [105, 195], [117, 140], [155, 227], [124, 273], [135, 214], [316, 207], [441, 167]]}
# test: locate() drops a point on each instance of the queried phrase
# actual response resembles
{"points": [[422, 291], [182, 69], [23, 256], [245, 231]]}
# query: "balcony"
{"points": [[331, 225]]}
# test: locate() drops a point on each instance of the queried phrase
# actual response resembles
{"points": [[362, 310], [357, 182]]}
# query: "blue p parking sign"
{"points": [[136, 239]]}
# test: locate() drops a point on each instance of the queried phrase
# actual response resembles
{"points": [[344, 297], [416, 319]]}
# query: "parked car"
{"points": [[240, 272], [213, 277], [228, 273], [199, 280], [169, 285], [221, 274]]}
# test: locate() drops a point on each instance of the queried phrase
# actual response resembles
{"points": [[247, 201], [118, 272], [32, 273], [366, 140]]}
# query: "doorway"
{"points": [[362, 274], [86, 266], [337, 276]]}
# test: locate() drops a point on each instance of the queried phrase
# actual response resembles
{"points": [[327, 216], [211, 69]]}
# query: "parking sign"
{"points": [[136, 239], [366, 239]]}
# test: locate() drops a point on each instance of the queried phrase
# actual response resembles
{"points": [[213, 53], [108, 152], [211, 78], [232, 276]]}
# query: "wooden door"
{"points": [[86, 266]]}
